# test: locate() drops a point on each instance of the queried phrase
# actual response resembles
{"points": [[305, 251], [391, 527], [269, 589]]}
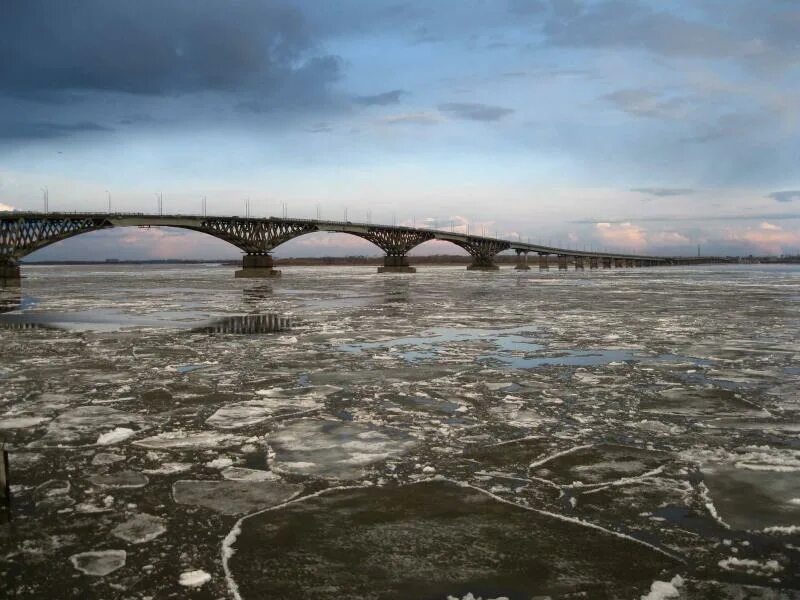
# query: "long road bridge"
{"points": [[24, 232]]}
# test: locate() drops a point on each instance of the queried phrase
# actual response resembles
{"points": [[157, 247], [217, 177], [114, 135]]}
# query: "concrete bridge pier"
{"points": [[522, 261], [579, 263], [543, 263], [607, 262], [257, 266], [396, 264], [10, 275], [483, 263], [562, 262], [594, 262]]}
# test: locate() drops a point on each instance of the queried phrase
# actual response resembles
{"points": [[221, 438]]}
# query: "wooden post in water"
{"points": [[5, 484]]}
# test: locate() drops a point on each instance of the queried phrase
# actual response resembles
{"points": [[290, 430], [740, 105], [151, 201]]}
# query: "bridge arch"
{"points": [[24, 233]]}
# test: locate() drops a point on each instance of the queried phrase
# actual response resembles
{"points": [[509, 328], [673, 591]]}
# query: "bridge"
{"points": [[22, 233]]}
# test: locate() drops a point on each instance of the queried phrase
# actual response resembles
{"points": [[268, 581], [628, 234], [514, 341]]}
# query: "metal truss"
{"points": [[395, 241], [482, 250], [255, 236], [24, 235]]}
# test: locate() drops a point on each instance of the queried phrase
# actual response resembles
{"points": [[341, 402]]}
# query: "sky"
{"points": [[629, 125]]}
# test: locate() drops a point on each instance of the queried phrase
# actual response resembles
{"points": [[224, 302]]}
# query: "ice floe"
{"points": [[194, 579], [140, 529], [179, 440], [85, 423], [120, 479], [98, 563], [233, 497], [115, 436], [662, 590], [332, 449]]}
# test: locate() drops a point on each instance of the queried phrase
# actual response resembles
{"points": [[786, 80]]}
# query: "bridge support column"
{"points": [[522, 261], [579, 263], [543, 264], [10, 275], [396, 264], [257, 266], [607, 262], [594, 262], [630, 262], [483, 263], [562, 262]]}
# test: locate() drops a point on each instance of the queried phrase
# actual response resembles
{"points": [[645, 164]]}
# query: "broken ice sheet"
{"points": [[233, 497], [334, 450], [603, 463], [431, 540], [754, 499], [270, 403], [84, 424]]}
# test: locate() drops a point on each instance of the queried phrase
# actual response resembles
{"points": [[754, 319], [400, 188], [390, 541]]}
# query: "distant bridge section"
{"points": [[24, 232]]}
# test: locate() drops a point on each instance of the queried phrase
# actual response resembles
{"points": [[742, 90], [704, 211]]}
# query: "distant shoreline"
{"points": [[439, 259]]}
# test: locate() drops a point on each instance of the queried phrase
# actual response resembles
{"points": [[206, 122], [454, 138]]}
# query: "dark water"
{"points": [[174, 432]]}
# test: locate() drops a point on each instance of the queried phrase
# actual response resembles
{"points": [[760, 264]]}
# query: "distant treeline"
{"points": [[322, 260], [435, 259]]}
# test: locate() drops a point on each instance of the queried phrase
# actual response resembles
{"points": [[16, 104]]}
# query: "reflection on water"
{"points": [[10, 300], [256, 294], [264, 323]]}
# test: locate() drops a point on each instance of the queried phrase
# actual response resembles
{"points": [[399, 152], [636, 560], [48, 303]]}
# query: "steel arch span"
{"points": [[22, 233]]}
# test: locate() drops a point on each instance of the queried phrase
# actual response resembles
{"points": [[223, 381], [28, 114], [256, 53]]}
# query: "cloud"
{"points": [[384, 99], [5, 207], [46, 130], [769, 238], [621, 235], [668, 238], [618, 23], [150, 46], [645, 103], [785, 196], [735, 125], [663, 191], [417, 118], [475, 111]]}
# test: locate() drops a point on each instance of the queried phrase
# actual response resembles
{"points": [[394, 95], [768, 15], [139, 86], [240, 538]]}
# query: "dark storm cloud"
{"points": [[45, 130], [621, 23], [760, 33], [384, 99], [785, 196], [153, 47], [663, 191], [475, 111]]}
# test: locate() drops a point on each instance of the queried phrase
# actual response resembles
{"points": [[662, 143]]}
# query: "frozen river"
{"points": [[340, 434]]}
